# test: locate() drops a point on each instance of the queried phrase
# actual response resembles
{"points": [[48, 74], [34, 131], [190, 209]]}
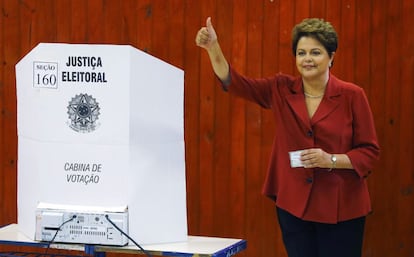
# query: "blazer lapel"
{"points": [[296, 102], [330, 101]]}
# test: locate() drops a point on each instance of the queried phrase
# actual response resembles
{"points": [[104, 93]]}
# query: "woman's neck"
{"points": [[315, 87]]}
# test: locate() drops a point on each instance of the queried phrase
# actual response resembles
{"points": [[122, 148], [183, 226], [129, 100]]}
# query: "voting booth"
{"points": [[102, 126]]}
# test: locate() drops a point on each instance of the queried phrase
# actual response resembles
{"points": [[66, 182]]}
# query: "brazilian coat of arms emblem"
{"points": [[83, 111]]}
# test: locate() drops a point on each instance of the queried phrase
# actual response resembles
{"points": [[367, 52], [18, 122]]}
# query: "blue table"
{"points": [[194, 246]]}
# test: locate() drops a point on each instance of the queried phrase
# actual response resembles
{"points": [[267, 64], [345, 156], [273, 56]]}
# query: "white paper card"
{"points": [[295, 161]]}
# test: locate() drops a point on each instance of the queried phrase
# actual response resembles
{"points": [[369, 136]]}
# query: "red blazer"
{"points": [[343, 123]]}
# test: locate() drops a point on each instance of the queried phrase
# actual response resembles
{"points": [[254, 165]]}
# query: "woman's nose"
{"points": [[308, 58]]}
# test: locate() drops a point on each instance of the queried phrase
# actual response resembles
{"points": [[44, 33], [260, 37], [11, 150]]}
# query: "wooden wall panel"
{"points": [[405, 190], [78, 31], [142, 25], [2, 149], [95, 21], [64, 26], [222, 134], [254, 223], [237, 168], [176, 35], [228, 140], [270, 63], [405, 226], [206, 139], [11, 52], [192, 59]]}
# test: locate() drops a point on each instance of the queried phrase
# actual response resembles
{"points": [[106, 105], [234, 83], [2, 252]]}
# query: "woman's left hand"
{"points": [[315, 158]]}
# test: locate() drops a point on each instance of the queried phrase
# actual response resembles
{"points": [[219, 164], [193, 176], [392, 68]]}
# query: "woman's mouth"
{"points": [[307, 67]]}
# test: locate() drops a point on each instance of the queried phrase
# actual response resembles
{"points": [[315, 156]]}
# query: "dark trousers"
{"points": [[312, 239]]}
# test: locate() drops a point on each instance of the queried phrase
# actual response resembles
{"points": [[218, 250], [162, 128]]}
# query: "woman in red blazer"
{"points": [[325, 144]]}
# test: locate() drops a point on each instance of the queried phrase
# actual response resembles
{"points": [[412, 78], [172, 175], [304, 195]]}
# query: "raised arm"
{"points": [[207, 38]]}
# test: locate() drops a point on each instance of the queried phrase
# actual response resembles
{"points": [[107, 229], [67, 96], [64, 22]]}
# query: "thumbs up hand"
{"points": [[206, 36]]}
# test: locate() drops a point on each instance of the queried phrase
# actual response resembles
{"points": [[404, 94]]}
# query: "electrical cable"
{"points": [[125, 234], [57, 231]]}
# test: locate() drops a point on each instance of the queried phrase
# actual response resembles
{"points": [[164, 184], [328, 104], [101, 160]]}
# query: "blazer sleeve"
{"points": [[255, 90], [365, 151]]}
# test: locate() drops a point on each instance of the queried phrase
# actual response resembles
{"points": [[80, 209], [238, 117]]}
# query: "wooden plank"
{"points": [[160, 28], [77, 13], [405, 207], [286, 23], [237, 120], [253, 152], [270, 38], [207, 131], [95, 22], [381, 193], [144, 20], [392, 55], [272, 242], [176, 33], [113, 22], [363, 41], [2, 135], [42, 29], [63, 24], [334, 16], [300, 10], [128, 15], [317, 8], [192, 60], [222, 179], [11, 53], [26, 10], [347, 28], [362, 66]]}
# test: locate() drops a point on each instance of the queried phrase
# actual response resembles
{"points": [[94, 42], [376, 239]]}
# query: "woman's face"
{"points": [[312, 59]]}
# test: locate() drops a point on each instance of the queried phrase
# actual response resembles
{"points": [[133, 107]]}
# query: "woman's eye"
{"points": [[301, 54], [316, 53]]}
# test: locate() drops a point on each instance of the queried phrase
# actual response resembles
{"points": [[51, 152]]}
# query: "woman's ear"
{"points": [[331, 59]]}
